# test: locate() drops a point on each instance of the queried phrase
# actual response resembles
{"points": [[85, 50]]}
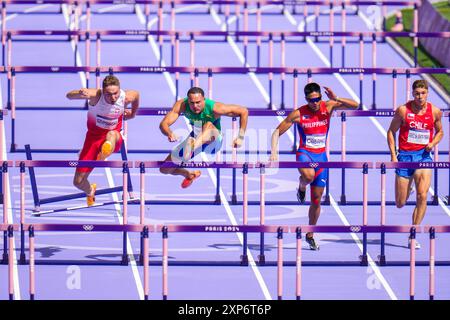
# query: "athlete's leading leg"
{"points": [[422, 178]]}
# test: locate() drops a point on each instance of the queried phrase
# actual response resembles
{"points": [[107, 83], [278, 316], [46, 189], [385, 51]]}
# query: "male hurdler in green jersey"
{"points": [[206, 135]]}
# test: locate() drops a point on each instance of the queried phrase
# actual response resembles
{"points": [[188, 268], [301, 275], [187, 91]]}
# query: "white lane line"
{"points": [[110, 179], [372, 263], [335, 206], [17, 294], [211, 173]]}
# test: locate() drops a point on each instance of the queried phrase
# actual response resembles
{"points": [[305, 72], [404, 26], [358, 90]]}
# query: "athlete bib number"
{"points": [[106, 123], [419, 136], [316, 141]]}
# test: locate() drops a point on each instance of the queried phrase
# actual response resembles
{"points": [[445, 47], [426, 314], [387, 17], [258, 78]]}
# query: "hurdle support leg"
{"points": [[32, 262], [343, 157], [298, 265], [123, 152], [412, 263], [13, 106], [382, 256], [22, 259], [244, 257], [234, 196], [32, 179], [5, 248], [125, 171], [4, 171], [22, 213], [280, 263], [261, 256], [432, 279], [145, 262], [217, 200], [326, 201], [165, 263], [142, 212], [10, 262], [435, 200], [364, 259]]}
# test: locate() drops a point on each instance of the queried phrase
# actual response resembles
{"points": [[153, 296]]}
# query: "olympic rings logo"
{"points": [[55, 69], [73, 163], [313, 164], [355, 228], [281, 113], [88, 227]]}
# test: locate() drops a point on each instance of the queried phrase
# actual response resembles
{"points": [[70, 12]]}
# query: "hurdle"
{"points": [[379, 113], [326, 165], [282, 37], [280, 231], [39, 201], [33, 229], [406, 165], [74, 164], [409, 229], [197, 71]]}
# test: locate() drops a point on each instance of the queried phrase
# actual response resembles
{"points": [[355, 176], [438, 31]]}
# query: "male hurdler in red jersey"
{"points": [[107, 110], [420, 128], [313, 122]]}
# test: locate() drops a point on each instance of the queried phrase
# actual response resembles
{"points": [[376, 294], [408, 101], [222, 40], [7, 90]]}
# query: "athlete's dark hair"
{"points": [[420, 84], [195, 90], [311, 87]]}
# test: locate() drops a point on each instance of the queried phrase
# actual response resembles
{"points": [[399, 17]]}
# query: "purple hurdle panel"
{"points": [[32, 228]]}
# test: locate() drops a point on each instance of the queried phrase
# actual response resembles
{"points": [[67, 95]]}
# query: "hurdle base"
{"points": [[5, 258], [326, 202], [381, 260], [13, 147], [125, 260], [343, 200], [233, 199], [22, 259], [435, 200], [244, 260], [217, 199], [364, 261], [261, 259]]}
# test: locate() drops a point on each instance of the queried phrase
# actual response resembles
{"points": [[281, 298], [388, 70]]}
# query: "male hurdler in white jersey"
{"points": [[104, 123]]}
